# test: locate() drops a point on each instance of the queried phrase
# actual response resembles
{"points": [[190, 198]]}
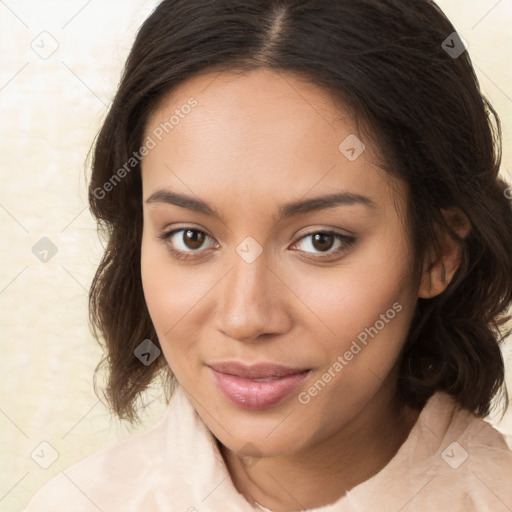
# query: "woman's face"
{"points": [[284, 294]]}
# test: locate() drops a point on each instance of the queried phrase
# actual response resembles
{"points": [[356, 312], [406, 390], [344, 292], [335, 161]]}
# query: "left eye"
{"points": [[324, 241]]}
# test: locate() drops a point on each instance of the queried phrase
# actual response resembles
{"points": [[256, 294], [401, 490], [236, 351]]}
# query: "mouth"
{"points": [[256, 386]]}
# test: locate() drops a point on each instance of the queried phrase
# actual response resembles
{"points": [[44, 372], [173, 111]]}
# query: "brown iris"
{"points": [[193, 239], [323, 241]]}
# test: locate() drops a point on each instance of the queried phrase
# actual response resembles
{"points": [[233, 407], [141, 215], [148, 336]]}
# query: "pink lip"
{"points": [[244, 385]]}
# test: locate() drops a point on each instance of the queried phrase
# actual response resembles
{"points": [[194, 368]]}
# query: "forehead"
{"points": [[259, 134]]}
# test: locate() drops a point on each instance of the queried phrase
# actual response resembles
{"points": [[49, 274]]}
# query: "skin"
{"points": [[254, 142]]}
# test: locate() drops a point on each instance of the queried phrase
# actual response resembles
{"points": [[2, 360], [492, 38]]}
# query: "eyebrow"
{"points": [[285, 211]]}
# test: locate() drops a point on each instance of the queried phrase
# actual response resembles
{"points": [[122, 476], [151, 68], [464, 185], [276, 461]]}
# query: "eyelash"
{"points": [[348, 242]]}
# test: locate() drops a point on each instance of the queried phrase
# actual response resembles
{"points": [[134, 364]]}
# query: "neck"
{"points": [[322, 473]]}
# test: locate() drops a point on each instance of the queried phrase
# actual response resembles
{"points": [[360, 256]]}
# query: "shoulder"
{"points": [[452, 460], [465, 432], [485, 457], [173, 466], [471, 462], [112, 471]]}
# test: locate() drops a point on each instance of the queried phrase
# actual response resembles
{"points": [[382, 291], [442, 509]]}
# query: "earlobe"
{"points": [[437, 275], [440, 267]]}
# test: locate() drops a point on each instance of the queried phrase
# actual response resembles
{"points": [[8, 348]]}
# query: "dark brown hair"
{"points": [[400, 67]]}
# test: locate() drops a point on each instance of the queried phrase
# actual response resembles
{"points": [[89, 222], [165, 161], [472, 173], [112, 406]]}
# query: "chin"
{"points": [[271, 432]]}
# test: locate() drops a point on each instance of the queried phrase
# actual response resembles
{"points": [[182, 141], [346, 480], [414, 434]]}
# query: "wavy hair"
{"points": [[399, 66]]}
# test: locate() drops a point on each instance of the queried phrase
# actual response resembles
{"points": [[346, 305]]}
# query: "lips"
{"points": [[256, 371], [256, 386]]}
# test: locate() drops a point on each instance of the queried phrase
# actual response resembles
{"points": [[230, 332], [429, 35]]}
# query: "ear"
{"points": [[439, 269]]}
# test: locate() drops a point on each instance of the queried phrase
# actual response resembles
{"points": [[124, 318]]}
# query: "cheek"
{"points": [[369, 311], [369, 308], [174, 296], [166, 296], [353, 296]]}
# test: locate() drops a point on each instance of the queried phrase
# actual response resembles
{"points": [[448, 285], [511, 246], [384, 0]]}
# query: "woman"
{"points": [[309, 241]]}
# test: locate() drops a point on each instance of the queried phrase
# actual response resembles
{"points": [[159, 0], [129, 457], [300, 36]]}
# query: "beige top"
{"points": [[451, 461]]}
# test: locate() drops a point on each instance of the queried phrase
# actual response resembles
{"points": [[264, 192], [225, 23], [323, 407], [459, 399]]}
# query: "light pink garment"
{"points": [[176, 467]]}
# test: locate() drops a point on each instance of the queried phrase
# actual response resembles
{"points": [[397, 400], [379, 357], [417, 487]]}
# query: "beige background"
{"points": [[51, 109]]}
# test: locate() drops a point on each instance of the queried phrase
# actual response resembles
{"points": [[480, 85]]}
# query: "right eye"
{"points": [[185, 245]]}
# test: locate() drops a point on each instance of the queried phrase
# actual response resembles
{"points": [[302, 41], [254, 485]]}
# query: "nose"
{"points": [[252, 302]]}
